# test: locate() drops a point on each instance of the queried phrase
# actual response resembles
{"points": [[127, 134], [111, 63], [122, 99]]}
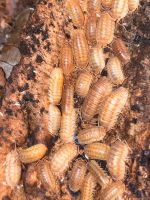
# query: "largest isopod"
{"points": [[112, 107], [118, 8]]}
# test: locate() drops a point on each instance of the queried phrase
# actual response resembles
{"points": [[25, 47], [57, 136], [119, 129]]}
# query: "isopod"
{"points": [[116, 160], [91, 28], [125, 10], [94, 97], [121, 50], [117, 8], [133, 5], [77, 175], [94, 5], [32, 154], [80, 48], [55, 86], [83, 83], [97, 59], [94, 134], [61, 159], [19, 193], [88, 187], [97, 150], [75, 12], [106, 3], [105, 29], [54, 119], [115, 72], [112, 107], [31, 178], [66, 59], [12, 169]]}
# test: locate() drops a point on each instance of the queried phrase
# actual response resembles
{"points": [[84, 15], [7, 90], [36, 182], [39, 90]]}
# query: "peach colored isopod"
{"points": [[125, 10], [83, 83], [106, 3], [97, 59], [77, 175], [54, 119], [95, 96], [94, 134], [12, 169], [55, 86], [80, 48], [97, 150], [116, 160], [112, 107], [105, 29], [75, 12], [91, 28], [32, 154], [117, 8], [94, 5], [121, 50], [115, 72], [66, 59], [61, 159], [112, 191], [88, 187], [133, 5]]}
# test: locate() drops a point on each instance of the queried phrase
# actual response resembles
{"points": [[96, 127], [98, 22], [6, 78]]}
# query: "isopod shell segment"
{"points": [[94, 134], [117, 8], [66, 59], [77, 175], [80, 48], [121, 50], [97, 151], [115, 72], [106, 3], [12, 169], [61, 159], [133, 5], [112, 107], [75, 12], [33, 153], [105, 29], [55, 86], [95, 96], [116, 160], [54, 119], [113, 191], [91, 28], [94, 5], [83, 83]]}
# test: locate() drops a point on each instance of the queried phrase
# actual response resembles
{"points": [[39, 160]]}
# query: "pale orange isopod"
{"points": [[94, 5], [77, 175], [97, 150], [105, 29], [90, 135], [33, 153], [66, 59], [112, 107], [116, 160], [133, 5], [125, 10], [91, 28], [12, 169], [80, 48], [115, 72], [54, 119], [117, 8], [61, 159], [75, 12], [83, 83], [94, 97], [106, 3], [55, 86], [97, 59]]}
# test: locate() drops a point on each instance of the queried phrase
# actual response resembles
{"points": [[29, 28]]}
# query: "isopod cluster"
{"points": [[81, 131]]}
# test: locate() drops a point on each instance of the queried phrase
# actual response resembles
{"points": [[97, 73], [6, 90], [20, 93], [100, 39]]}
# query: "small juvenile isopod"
{"points": [[116, 160], [94, 97], [133, 5], [121, 50], [97, 59], [55, 86], [75, 12], [94, 5], [32, 154], [117, 8], [106, 3], [31, 178], [80, 48], [88, 187], [91, 28], [66, 59], [112, 107], [105, 29], [77, 175], [12, 169], [83, 83], [94, 134], [54, 119], [115, 72], [97, 150], [62, 158]]}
